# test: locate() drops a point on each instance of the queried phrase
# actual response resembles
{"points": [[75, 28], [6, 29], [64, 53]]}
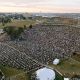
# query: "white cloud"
{"points": [[41, 5], [68, 3]]}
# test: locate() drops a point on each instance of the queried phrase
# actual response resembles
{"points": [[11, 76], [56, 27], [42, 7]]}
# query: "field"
{"points": [[19, 23], [76, 57], [68, 67], [61, 20], [71, 66], [10, 72]]}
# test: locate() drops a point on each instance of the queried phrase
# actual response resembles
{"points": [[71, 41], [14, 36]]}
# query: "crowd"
{"points": [[45, 43], [11, 57], [42, 43]]}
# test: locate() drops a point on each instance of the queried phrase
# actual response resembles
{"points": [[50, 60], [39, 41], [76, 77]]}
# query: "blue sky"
{"points": [[40, 6]]}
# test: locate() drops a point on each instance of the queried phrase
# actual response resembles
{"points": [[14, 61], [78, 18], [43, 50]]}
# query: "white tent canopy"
{"points": [[66, 78], [1, 31], [56, 61], [45, 74]]}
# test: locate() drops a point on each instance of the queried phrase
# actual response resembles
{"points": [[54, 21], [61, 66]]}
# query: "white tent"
{"points": [[45, 74], [56, 61], [1, 31], [66, 78]]}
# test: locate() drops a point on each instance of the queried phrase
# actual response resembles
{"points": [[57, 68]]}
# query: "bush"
{"points": [[30, 26], [13, 32]]}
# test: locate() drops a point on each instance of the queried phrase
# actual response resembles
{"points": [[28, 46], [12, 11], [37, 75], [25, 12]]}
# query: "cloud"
{"points": [[61, 3], [40, 5], [40, 9]]}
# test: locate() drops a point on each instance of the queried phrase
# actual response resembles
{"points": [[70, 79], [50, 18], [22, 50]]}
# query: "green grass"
{"points": [[19, 23], [59, 77], [68, 67], [8, 71], [11, 72], [76, 57], [22, 76], [1, 25]]}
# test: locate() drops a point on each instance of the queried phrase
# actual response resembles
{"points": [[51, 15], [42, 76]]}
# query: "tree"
{"points": [[20, 30], [30, 26], [24, 26], [5, 20], [13, 32]]}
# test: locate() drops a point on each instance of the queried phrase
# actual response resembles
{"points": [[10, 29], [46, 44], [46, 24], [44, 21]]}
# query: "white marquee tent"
{"points": [[56, 61], [66, 78], [45, 74]]}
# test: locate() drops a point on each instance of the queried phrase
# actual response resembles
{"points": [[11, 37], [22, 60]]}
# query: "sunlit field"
{"points": [[19, 23], [68, 67], [10, 72]]}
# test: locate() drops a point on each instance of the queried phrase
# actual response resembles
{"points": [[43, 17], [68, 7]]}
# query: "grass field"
{"points": [[76, 57], [68, 67], [11, 72], [19, 23]]}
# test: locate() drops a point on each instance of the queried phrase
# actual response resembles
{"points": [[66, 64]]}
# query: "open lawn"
{"points": [[76, 57], [68, 67], [1, 25], [12, 72], [19, 23]]}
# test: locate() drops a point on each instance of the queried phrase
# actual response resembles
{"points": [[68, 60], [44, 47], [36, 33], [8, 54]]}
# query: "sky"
{"points": [[50, 6]]}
